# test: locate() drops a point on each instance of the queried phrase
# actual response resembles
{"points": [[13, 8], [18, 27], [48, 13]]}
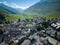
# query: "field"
{"points": [[19, 16], [23, 16]]}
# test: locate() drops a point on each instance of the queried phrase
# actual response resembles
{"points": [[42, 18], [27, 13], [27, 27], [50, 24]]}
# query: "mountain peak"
{"points": [[2, 4], [9, 9], [50, 0]]}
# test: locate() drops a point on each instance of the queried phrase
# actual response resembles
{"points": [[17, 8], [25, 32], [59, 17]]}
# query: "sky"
{"points": [[23, 4]]}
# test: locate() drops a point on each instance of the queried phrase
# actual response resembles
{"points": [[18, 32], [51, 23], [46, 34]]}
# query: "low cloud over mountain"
{"points": [[10, 8]]}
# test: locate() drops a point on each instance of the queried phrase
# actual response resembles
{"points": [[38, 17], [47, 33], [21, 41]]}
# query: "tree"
{"points": [[2, 18]]}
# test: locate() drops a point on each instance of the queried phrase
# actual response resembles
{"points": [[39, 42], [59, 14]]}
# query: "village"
{"points": [[35, 31]]}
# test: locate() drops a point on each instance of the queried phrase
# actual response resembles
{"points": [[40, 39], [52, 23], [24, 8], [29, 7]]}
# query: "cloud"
{"points": [[5, 2], [13, 5], [17, 6], [0, 2]]}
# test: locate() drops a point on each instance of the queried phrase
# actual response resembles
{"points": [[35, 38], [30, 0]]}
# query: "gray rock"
{"points": [[26, 42]]}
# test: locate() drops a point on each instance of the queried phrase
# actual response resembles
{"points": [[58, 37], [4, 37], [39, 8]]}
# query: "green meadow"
{"points": [[23, 16]]}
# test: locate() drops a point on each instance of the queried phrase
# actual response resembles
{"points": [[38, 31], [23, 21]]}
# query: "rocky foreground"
{"points": [[36, 31]]}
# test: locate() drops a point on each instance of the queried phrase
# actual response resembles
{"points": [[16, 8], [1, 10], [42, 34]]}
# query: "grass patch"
{"points": [[23, 16]]}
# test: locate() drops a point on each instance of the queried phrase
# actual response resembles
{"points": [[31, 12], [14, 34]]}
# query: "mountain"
{"points": [[20, 10], [9, 9], [45, 7]]}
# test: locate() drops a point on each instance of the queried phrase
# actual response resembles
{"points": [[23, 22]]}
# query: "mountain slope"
{"points": [[9, 9], [45, 7]]}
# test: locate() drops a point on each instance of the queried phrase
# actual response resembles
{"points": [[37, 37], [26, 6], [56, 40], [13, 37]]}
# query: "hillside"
{"points": [[45, 7], [9, 9]]}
